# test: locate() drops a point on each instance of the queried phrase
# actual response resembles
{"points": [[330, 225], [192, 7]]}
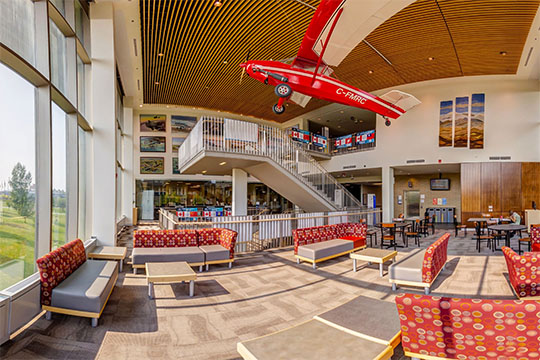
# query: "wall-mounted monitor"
{"points": [[440, 184]]}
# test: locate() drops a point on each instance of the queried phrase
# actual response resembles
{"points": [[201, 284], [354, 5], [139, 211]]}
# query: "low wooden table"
{"points": [[371, 255], [169, 272], [109, 253]]}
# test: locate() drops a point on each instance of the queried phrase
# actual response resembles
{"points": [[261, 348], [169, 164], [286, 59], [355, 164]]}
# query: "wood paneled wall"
{"points": [[504, 186]]}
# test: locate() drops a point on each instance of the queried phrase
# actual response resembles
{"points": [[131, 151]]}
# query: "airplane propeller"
{"points": [[243, 68]]}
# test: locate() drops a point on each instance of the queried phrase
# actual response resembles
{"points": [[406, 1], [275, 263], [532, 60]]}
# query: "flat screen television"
{"points": [[440, 184]]}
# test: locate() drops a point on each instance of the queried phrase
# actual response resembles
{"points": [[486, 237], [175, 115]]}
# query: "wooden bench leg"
{"points": [[94, 322]]}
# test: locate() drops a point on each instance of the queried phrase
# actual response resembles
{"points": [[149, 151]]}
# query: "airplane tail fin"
{"points": [[400, 99]]}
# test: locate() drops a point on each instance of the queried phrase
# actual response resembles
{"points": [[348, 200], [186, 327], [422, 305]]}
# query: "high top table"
{"points": [[507, 228]]}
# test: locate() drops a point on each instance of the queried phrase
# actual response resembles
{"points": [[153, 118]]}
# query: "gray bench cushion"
{"points": [[215, 252], [190, 254], [87, 288], [325, 248], [408, 268]]}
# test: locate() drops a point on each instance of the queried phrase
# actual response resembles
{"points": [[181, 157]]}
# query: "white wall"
{"points": [[512, 125]]}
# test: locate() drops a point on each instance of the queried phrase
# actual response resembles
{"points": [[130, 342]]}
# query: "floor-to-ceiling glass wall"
{"points": [[17, 178], [59, 194]]}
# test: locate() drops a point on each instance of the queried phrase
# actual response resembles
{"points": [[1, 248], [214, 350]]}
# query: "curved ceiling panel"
{"points": [[191, 49]]}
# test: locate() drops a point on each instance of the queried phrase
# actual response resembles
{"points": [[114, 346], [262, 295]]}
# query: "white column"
{"points": [[128, 180], [387, 193], [103, 95], [239, 192]]}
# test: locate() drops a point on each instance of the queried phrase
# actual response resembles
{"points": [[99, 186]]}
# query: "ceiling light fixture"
{"points": [[204, 171], [503, 53], [217, 3], [222, 163], [156, 82], [225, 62], [160, 54], [370, 71], [431, 58], [140, 105]]}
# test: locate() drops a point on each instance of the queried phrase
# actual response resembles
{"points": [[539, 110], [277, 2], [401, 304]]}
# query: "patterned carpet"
{"points": [[262, 293]]}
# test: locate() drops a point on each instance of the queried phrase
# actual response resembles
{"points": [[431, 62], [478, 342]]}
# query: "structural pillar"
{"points": [[387, 193], [104, 123], [239, 192]]}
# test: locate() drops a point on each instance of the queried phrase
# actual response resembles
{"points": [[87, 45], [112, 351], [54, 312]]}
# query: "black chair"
{"points": [[371, 233], [388, 233], [432, 224], [458, 227], [413, 232], [489, 239], [424, 226]]}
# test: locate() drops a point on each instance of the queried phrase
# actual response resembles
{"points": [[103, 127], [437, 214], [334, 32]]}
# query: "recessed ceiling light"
{"points": [[503, 53], [370, 71], [156, 82], [168, 106], [140, 105], [222, 163], [431, 58], [217, 3], [339, 126], [341, 111], [204, 171], [160, 54], [225, 62]]}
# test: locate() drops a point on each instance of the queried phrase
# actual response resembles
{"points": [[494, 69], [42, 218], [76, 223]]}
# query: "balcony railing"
{"points": [[234, 136]]}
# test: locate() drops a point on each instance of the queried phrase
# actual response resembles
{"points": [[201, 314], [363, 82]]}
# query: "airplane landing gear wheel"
{"points": [[283, 90], [387, 122], [278, 109]]}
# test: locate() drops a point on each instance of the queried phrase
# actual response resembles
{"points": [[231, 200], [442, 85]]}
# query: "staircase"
{"points": [[215, 146]]}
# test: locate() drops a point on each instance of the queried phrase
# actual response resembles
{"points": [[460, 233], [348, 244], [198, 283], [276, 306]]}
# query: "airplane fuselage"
{"points": [[321, 87]]}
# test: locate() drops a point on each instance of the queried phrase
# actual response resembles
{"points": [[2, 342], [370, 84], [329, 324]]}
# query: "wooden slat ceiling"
{"points": [[202, 46]]}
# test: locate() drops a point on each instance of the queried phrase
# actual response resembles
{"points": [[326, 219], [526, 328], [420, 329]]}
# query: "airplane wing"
{"points": [[400, 99], [300, 99], [357, 19]]}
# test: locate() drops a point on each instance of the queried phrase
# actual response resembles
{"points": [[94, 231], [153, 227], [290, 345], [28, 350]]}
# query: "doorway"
{"points": [[411, 203]]}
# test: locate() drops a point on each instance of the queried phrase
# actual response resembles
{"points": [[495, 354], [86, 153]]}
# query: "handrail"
{"points": [[235, 136], [180, 223]]}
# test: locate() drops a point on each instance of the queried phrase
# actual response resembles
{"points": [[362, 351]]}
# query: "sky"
{"points": [[17, 130]]}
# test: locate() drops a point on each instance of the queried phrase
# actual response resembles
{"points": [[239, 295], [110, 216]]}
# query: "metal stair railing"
{"points": [[235, 136]]}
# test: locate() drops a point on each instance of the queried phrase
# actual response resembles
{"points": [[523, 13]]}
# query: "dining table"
{"points": [[400, 227], [507, 229]]}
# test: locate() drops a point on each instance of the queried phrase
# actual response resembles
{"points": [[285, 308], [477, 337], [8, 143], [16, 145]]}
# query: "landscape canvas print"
{"points": [[177, 142], [152, 165], [181, 123], [153, 122], [445, 123], [461, 126], [175, 169], [152, 144], [478, 102]]}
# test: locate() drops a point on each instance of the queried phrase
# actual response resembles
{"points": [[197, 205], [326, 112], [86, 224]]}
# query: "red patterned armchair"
{"points": [[72, 285], [320, 243], [524, 273], [535, 237], [469, 329], [218, 236]]}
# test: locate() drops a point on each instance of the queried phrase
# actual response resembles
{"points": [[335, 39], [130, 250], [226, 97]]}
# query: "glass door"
{"points": [[412, 203]]}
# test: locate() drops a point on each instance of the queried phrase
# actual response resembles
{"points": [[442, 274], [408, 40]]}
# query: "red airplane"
{"points": [[342, 24]]}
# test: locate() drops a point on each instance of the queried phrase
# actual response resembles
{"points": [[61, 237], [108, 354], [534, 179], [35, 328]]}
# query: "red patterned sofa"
{"points": [[469, 329], [535, 237], [421, 267], [196, 247], [73, 285], [320, 243], [524, 273]]}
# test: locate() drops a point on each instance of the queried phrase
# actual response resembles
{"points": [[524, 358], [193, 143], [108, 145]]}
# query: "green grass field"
{"points": [[17, 241]]}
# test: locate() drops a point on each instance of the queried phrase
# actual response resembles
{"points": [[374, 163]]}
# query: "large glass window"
{"points": [[81, 22], [82, 185], [60, 5], [59, 195], [17, 178], [81, 86], [17, 29], [58, 58]]}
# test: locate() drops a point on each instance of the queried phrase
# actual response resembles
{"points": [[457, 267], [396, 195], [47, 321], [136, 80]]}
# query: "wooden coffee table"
{"points": [[371, 255], [109, 253], [169, 272]]}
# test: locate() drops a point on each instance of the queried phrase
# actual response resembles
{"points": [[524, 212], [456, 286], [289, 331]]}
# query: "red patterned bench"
{"points": [[524, 273], [196, 247], [72, 285], [469, 329], [421, 267], [320, 243], [535, 237]]}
